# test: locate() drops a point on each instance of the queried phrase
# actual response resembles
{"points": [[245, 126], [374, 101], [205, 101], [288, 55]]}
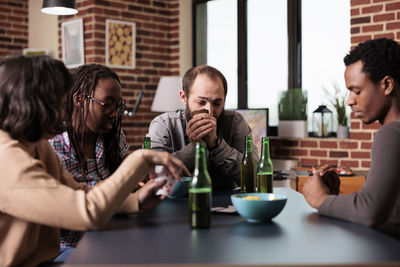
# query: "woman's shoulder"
{"points": [[60, 142]]}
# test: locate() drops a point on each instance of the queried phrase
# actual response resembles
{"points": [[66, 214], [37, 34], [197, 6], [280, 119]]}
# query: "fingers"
{"points": [[323, 169], [199, 133], [174, 165], [201, 126]]}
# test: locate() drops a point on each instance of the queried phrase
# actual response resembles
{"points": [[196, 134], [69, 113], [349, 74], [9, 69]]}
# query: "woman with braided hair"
{"points": [[37, 196]]}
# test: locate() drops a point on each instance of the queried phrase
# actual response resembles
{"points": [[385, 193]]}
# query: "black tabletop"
{"points": [[296, 236]]}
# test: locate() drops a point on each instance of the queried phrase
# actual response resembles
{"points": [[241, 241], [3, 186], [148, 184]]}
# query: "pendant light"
{"points": [[59, 7]]}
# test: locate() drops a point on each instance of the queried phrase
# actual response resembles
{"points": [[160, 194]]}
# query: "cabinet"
{"points": [[348, 184]]}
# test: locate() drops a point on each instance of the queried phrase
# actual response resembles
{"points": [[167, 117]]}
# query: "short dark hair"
{"points": [[211, 72], [380, 57], [31, 94]]}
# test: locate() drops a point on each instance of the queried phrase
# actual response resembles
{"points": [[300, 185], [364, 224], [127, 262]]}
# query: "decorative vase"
{"points": [[342, 132], [293, 128]]}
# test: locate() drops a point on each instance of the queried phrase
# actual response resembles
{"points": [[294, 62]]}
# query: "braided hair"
{"points": [[86, 79]]}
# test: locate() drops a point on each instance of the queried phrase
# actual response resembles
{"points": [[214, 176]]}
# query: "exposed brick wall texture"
{"points": [[370, 19], [13, 27], [157, 50]]}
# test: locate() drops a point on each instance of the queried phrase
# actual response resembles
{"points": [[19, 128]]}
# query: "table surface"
{"points": [[297, 236]]}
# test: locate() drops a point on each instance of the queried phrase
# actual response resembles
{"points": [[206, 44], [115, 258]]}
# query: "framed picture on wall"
{"points": [[72, 43], [258, 122], [120, 44]]}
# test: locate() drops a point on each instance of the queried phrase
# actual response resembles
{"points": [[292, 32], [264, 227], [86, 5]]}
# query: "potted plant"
{"points": [[292, 112], [338, 101]]}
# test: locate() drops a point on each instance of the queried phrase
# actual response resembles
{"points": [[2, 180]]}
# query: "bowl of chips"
{"points": [[258, 207]]}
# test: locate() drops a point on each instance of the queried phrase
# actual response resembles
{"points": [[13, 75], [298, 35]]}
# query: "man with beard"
{"points": [[204, 120], [372, 77]]}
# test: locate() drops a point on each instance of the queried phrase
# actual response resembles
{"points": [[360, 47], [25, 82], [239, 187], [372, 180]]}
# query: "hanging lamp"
{"points": [[59, 7]]}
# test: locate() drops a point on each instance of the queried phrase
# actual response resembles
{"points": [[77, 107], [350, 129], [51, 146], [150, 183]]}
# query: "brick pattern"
{"points": [[157, 50], [13, 27], [370, 19]]}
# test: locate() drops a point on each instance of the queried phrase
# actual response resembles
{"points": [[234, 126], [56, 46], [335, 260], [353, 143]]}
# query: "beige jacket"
{"points": [[37, 197]]}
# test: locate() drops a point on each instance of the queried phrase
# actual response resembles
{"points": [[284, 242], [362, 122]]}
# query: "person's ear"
{"points": [[77, 98], [388, 85], [183, 97]]}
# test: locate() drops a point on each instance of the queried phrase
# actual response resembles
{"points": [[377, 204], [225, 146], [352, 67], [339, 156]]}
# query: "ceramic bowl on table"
{"points": [[181, 188], [258, 207]]}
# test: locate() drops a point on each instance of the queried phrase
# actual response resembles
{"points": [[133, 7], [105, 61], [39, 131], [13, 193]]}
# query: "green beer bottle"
{"points": [[264, 169], [247, 177], [147, 142], [200, 191]]}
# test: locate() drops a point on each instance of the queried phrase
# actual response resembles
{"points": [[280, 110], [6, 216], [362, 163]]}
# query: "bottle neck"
{"points": [[265, 150], [249, 146], [147, 143], [200, 159]]}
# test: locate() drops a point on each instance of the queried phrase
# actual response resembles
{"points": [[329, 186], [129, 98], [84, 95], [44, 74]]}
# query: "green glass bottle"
{"points": [[147, 142], [200, 191], [247, 172], [265, 169]]}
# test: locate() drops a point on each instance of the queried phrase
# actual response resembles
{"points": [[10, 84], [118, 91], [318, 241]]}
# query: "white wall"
{"points": [[185, 36], [43, 29]]}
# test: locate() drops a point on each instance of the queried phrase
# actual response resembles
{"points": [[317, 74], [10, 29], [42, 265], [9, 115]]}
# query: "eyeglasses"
{"points": [[120, 106]]}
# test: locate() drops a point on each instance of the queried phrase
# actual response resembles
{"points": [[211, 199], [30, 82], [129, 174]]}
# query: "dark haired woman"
{"points": [[37, 196], [93, 145]]}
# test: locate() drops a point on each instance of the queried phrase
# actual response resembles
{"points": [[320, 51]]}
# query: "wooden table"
{"points": [[296, 237], [348, 184]]}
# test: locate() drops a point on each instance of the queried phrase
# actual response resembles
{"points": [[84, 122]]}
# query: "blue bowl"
{"points": [[181, 188], [264, 209]]}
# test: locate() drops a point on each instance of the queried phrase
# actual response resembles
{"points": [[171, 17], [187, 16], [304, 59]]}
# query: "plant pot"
{"points": [[342, 132], [292, 129]]}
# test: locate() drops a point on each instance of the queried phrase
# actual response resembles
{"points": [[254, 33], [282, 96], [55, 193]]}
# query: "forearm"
{"points": [[43, 200], [227, 159], [131, 204], [375, 203], [186, 155]]}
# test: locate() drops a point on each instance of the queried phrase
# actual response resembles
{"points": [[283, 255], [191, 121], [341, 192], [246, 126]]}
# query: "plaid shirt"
{"points": [[97, 171]]}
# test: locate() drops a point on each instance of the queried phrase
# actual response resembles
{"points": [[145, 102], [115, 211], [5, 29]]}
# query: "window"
{"points": [[267, 54], [249, 41], [216, 37], [324, 45]]}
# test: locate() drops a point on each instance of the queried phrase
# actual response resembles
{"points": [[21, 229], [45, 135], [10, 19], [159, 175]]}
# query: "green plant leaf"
{"points": [[293, 105]]}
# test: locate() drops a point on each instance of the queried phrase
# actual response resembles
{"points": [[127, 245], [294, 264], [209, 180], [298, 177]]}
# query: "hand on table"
{"points": [[203, 128], [314, 190]]}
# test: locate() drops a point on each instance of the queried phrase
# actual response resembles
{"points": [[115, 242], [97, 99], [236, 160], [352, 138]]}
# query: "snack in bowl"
{"points": [[252, 197], [258, 207]]}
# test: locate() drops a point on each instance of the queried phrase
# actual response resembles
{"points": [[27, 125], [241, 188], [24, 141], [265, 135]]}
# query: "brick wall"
{"points": [[157, 50], [370, 19], [13, 27]]}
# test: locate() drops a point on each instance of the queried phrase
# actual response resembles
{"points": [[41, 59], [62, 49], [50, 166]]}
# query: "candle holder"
{"points": [[322, 122]]}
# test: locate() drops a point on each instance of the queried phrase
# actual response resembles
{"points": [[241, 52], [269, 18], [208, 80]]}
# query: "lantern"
{"points": [[322, 122]]}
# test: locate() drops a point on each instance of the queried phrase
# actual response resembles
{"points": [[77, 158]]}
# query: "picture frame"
{"points": [[120, 44], [258, 121], [72, 43]]}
